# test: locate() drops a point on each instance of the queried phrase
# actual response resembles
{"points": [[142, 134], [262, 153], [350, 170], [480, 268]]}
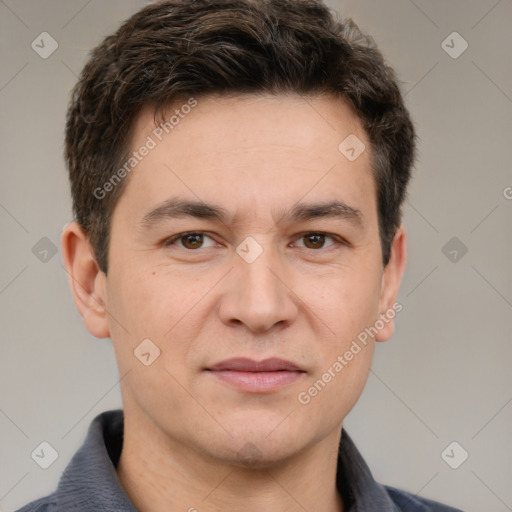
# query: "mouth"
{"points": [[256, 376]]}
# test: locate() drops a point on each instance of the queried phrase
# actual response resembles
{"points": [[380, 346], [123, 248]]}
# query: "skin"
{"points": [[192, 441]]}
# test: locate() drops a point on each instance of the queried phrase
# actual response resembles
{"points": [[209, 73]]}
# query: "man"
{"points": [[237, 170]]}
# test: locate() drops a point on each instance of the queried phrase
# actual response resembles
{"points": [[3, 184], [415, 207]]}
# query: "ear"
{"points": [[391, 280], [87, 281]]}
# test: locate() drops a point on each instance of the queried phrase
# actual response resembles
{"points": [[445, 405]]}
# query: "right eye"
{"points": [[191, 240]]}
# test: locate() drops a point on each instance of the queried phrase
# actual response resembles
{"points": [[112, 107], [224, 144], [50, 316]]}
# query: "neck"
{"points": [[160, 474]]}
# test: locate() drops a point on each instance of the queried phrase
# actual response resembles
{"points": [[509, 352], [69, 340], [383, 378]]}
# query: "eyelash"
{"points": [[336, 239]]}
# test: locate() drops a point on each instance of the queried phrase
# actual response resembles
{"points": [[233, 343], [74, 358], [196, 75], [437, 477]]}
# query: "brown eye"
{"points": [[190, 241], [314, 240]]}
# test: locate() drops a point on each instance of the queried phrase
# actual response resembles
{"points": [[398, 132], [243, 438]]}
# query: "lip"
{"points": [[243, 364], [257, 376]]}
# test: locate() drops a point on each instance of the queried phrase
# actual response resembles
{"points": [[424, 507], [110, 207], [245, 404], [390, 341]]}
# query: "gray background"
{"points": [[445, 376]]}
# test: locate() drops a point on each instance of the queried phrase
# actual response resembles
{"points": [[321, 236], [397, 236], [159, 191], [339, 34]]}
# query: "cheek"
{"points": [[150, 305], [345, 306], [161, 305], [333, 390], [346, 300], [152, 301]]}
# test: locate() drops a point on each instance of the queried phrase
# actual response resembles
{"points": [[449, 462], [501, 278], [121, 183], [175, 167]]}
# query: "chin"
{"points": [[259, 455], [259, 446]]}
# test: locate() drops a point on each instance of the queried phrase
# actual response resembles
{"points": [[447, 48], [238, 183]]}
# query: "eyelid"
{"points": [[336, 239], [172, 239]]}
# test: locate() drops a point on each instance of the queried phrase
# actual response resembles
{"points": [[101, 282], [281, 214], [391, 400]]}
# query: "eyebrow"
{"points": [[333, 209], [178, 208], [175, 208]]}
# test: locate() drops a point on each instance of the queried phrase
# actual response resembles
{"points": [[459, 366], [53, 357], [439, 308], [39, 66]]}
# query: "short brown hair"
{"points": [[180, 48]]}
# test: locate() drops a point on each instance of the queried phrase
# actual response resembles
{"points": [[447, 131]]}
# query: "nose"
{"points": [[259, 295]]}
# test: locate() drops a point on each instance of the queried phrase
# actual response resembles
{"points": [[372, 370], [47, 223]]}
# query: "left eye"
{"points": [[316, 240], [191, 241]]}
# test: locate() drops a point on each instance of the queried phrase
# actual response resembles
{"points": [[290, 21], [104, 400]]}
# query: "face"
{"points": [[246, 248]]}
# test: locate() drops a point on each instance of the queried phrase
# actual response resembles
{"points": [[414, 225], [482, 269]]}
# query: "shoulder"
{"points": [[46, 504], [407, 502]]}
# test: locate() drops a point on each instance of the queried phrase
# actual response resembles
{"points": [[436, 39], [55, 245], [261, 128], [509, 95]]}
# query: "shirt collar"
{"points": [[90, 481], [355, 482]]}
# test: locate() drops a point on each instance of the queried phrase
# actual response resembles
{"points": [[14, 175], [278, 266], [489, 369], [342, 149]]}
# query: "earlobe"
{"points": [[391, 279], [87, 281]]}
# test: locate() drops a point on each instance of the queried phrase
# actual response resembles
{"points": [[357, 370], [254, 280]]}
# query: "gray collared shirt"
{"points": [[90, 483]]}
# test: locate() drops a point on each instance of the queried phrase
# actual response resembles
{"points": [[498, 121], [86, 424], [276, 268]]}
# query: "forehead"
{"points": [[302, 121], [251, 150]]}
